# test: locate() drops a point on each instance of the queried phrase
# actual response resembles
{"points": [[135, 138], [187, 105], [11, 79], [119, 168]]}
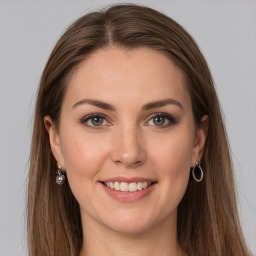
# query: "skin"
{"points": [[130, 142]]}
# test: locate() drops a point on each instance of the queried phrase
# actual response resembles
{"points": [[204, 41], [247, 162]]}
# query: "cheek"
{"points": [[175, 168], [83, 154], [174, 154], [172, 160], [84, 157]]}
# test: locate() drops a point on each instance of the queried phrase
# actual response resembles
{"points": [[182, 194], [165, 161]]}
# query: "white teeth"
{"points": [[144, 184], [139, 185], [111, 185], [116, 185], [133, 187], [125, 187]]}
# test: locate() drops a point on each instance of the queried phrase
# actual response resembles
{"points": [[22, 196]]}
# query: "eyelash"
{"points": [[85, 120], [171, 120]]}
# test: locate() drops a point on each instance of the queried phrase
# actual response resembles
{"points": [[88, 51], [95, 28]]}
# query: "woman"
{"points": [[127, 123]]}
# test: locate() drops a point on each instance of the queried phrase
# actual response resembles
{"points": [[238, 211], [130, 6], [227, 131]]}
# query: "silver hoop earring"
{"points": [[60, 178], [198, 167]]}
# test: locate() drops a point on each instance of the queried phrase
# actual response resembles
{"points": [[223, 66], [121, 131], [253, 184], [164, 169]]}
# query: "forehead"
{"points": [[118, 76]]}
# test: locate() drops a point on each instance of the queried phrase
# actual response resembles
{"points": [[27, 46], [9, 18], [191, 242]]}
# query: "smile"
{"points": [[128, 187]]}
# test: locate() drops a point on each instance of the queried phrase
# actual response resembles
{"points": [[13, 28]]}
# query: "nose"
{"points": [[128, 148]]}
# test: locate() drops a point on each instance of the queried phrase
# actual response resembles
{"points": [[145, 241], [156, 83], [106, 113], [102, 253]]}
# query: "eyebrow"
{"points": [[148, 106], [162, 103], [96, 103]]}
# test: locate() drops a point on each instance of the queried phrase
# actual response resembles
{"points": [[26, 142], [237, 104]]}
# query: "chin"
{"points": [[132, 222], [128, 228]]}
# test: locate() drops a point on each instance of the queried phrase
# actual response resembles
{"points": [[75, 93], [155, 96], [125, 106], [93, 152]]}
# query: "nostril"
{"points": [[137, 162], [128, 163]]}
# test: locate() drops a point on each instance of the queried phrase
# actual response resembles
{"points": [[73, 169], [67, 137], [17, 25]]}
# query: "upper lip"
{"points": [[128, 179]]}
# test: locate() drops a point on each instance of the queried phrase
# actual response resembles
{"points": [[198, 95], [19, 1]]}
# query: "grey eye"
{"points": [[159, 120], [96, 120]]}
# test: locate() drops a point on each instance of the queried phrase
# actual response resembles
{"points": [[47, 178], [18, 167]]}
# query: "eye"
{"points": [[161, 120], [94, 121]]}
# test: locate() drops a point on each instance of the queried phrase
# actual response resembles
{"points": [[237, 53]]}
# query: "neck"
{"points": [[160, 240]]}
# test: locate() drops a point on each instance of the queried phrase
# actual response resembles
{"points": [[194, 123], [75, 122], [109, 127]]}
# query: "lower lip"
{"points": [[128, 196]]}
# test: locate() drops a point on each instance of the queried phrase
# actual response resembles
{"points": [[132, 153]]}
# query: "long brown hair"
{"points": [[208, 221]]}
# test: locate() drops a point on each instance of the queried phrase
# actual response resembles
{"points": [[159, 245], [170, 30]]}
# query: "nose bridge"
{"points": [[128, 147]]}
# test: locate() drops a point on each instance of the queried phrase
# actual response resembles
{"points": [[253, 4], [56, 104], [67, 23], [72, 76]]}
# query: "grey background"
{"points": [[224, 30]]}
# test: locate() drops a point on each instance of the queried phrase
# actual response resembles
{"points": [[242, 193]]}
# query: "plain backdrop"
{"points": [[226, 34]]}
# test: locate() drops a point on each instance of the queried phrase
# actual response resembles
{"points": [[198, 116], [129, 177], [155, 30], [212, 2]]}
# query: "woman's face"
{"points": [[127, 139]]}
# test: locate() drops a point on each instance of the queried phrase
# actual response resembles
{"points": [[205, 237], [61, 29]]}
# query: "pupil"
{"points": [[97, 121], [159, 120]]}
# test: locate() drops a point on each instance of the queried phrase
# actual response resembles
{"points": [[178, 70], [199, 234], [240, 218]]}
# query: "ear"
{"points": [[54, 141], [200, 139]]}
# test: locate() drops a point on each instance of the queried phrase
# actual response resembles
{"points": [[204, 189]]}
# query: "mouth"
{"points": [[128, 186], [128, 189]]}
